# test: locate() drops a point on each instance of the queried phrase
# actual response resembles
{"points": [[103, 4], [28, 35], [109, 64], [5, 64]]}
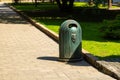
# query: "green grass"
{"points": [[80, 4], [84, 4], [92, 40]]}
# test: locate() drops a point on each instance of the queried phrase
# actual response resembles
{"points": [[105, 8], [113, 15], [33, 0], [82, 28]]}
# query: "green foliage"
{"points": [[97, 2], [111, 29], [31, 6]]}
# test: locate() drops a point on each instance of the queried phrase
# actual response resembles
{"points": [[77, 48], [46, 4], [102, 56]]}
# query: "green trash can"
{"points": [[70, 41]]}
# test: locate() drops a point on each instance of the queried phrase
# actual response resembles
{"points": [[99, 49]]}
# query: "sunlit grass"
{"points": [[100, 6], [81, 4], [102, 49]]}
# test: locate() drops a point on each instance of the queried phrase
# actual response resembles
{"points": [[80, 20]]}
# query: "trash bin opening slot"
{"points": [[72, 25]]}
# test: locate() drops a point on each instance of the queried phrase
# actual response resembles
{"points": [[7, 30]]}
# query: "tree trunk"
{"points": [[90, 2], [71, 4], [65, 5], [52, 1], [16, 1], [109, 4], [43, 1], [35, 3], [58, 3]]}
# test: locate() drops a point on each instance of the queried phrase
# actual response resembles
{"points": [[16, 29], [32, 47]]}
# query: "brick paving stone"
{"points": [[26, 53]]}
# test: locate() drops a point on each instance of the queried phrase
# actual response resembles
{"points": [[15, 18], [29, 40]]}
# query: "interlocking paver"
{"points": [[26, 53]]}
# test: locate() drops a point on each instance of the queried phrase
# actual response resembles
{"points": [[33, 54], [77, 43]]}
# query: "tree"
{"points": [[109, 4], [36, 3], [90, 2], [65, 5], [16, 1]]}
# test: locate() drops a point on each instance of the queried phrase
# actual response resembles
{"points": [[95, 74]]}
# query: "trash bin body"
{"points": [[70, 41]]}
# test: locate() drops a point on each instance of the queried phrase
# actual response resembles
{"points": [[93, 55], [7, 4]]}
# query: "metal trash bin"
{"points": [[70, 41]]}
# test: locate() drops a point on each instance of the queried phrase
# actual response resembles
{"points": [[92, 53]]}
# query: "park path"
{"points": [[26, 53]]}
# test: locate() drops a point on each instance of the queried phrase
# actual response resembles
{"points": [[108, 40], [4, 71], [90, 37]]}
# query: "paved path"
{"points": [[113, 65], [28, 54]]}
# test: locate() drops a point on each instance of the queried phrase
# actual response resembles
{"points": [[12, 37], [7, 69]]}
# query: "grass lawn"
{"points": [[92, 40]]}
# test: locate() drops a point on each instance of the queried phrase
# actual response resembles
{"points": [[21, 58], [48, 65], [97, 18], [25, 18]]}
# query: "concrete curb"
{"points": [[87, 56]]}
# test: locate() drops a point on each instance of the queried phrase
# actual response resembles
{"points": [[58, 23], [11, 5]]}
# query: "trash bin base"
{"points": [[70, 60]]}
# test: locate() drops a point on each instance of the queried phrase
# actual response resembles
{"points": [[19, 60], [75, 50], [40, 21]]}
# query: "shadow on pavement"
{"points": [[112, 58], [79, 63], [11, 19], [74, 63], [48, 58], [7, 16]]}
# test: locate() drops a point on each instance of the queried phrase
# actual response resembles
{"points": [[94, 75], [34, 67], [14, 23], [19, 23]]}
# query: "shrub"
{"points": [[111, 29], [97, 2]]}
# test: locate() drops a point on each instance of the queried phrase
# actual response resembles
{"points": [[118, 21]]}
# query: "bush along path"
{"points": [[111, 29]]}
